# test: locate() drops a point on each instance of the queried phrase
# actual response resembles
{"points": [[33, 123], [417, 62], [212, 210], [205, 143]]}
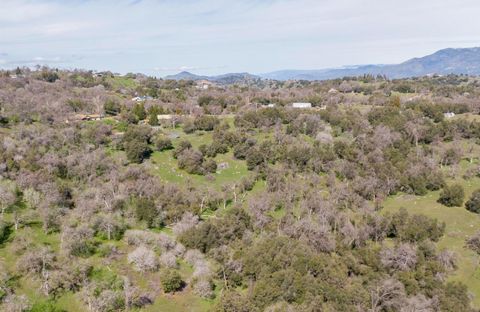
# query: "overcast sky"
{"points": [[161, 37]]}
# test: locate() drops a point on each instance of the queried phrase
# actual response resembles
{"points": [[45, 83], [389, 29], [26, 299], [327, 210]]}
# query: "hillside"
{"points": [[230, 78], [133, 194]]}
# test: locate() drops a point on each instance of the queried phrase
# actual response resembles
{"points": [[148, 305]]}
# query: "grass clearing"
{"points": [[122, 82], [165, 166], [460, 224]]}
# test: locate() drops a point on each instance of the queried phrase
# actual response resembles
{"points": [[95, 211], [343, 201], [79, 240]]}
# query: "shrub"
{"points": [[171, 280], [135, 143], [191, 161], [452, 196], [139, 111], [169, 260], [112, 107], [4, 231], [137, 133], [78, 241], [76, 104], [144, 259], [163, 143], [204, 288], [455, 298], [213, 149], [240, 150], [254, 158], [414, 228], [206, 123], [145, 210], [137, 151], [189, 127], [211, 234], [473, 204], [130, 117], [210, 166], [49, 76], [474, 242], [188, 221], [182, 146], [153, 119]]}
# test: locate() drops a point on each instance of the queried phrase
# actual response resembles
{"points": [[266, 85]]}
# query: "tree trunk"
{"points": [[201, 204], [109, 231]]}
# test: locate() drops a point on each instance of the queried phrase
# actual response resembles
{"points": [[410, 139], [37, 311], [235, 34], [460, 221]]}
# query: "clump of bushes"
{"points": [[112, 107], [171, 280], [192, 160], [414, 228], [146, 210], [205, 123], [162, 143], [473, 242], [473, 204], [452, 196]]}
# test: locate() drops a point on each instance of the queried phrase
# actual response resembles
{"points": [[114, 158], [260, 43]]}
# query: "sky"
{"points": [[161, 37]]}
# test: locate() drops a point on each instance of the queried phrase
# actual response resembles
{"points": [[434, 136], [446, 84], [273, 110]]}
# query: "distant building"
{"points": [[164, 117], [302, 105], [142, 98], [204, 84], [449, 115], [269, 105]]}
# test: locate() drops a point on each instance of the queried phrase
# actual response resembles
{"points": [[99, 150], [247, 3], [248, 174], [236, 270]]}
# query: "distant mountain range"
{"points": [[443, 62]]}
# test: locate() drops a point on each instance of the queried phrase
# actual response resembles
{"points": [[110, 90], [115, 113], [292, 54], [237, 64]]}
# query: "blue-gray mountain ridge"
{"points": [[443, 62]]}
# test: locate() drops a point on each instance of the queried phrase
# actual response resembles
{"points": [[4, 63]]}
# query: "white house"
{"points": [[302, 105], [449, 115]]}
